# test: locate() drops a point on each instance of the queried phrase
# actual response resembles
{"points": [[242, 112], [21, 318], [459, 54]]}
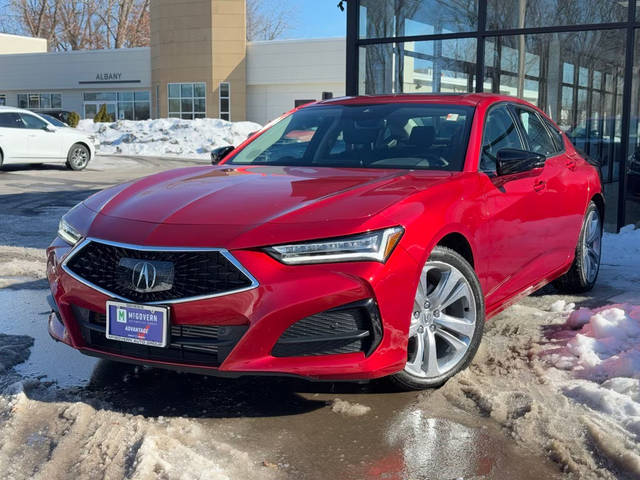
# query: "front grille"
{"points": [[205, 345], [195, 273], [351, 328]]}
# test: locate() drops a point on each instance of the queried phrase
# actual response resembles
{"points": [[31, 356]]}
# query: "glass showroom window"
{"points": [[40, 101], [187, 100], [419, 67], [225, 101], [399, 18], [575, 77]]}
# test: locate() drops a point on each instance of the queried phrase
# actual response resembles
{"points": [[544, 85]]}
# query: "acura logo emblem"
{"points": [[144, 276]]}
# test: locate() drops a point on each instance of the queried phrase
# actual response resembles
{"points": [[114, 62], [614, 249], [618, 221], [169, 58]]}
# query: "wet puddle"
{"points": [[287, 424]]}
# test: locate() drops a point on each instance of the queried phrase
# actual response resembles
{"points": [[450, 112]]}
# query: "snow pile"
{"points": [[604, 356], [349, 409], [601, 347], [607, 345], [166, 136]]}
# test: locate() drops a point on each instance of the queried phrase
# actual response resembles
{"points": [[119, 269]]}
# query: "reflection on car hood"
{"points": [[227, 201]]}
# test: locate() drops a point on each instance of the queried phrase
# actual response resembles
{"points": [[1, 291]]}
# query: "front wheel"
{"points": [[583, 273], [78, 157], [446, 322]]}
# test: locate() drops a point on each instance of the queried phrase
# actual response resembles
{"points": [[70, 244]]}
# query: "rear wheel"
{"points": [[446, 323], [583, 273], [78, 157]]}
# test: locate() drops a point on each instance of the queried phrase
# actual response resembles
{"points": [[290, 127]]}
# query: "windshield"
{"points": [[400, 135], [53, 120]]}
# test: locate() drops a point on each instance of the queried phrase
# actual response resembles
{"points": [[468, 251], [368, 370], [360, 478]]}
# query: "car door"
{"points": [[42, 143], [13, 135], [562, 198], [566, 193], [513, 210]]}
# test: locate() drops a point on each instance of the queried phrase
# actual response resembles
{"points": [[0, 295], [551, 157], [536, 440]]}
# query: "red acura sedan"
{"points": [[351, 239]]}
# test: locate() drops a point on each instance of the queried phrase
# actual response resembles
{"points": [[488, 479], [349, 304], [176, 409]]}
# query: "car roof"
{"points": [[470, 99], [14, 109]]}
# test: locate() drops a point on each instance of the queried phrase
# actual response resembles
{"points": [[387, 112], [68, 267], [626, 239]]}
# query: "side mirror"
{"points": [[511, 160], [218, 154], [50, 128]]}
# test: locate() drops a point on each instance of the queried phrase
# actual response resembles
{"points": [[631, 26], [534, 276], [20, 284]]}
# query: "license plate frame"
{"points": [[141, 324]]}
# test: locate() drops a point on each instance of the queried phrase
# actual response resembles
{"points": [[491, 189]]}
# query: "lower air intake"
{"points": [[351, 328]]}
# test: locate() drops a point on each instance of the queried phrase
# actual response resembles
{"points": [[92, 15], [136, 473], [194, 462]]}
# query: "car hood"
{"points": [[224, 202], [72, 133]]}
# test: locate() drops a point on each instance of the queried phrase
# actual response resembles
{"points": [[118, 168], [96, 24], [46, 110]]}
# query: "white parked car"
{"points": [[26, 137]]}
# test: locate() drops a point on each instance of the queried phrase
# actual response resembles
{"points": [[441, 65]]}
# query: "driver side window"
{"points": [[499, 132], [33, 122]]}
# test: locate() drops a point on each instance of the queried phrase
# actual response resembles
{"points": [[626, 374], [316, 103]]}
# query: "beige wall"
{"points": [[10, 44], [229, 55], [199, 41]]}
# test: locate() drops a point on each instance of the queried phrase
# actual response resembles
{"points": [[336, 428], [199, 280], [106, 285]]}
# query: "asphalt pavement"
{"points": [[302, 429]]}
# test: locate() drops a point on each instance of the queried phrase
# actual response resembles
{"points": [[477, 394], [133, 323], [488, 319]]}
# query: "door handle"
{"points": [[571, 164], [539, 185]]}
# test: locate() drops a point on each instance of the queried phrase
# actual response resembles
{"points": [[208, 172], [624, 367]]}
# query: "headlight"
{"points": [[375, 246], [68, 233]]}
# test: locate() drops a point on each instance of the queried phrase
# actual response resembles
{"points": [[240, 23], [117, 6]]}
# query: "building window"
{"points": [[40, 101], [187, 100], [225, 101], [120, 105], [3, 99]]}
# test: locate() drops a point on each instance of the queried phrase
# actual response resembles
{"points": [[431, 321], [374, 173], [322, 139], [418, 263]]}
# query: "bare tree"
{"points": [[39, 18], [83, 24], [126, 22], [269, 19]]}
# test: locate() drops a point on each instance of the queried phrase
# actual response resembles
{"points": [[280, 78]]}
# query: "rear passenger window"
{"points": [[536, 133], [10, 120], [556, 135], [499, 132]]}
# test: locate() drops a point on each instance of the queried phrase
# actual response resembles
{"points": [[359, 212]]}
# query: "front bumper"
{"points": [[285, 295]]}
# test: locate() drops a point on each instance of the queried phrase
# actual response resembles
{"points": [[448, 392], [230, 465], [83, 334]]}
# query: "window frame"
{"points": [[227, 98], [120, 103], [180, 114], [29, 95]]}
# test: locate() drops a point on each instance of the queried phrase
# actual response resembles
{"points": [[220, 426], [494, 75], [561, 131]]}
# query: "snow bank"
{"points": [[607, 345], [602, 345], [622, 248], [166, 136]]}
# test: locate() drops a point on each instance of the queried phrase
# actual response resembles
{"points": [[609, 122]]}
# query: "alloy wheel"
{"points": [[443, 321], [591, 246], [79, 157]]}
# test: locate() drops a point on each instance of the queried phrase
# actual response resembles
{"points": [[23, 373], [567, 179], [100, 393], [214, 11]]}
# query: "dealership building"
{"points": [[199, 64], [578, 60]]}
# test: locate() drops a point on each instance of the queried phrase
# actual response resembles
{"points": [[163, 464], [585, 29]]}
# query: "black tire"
{"points": [[78, 157], [442, 257], [583, 273]]}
